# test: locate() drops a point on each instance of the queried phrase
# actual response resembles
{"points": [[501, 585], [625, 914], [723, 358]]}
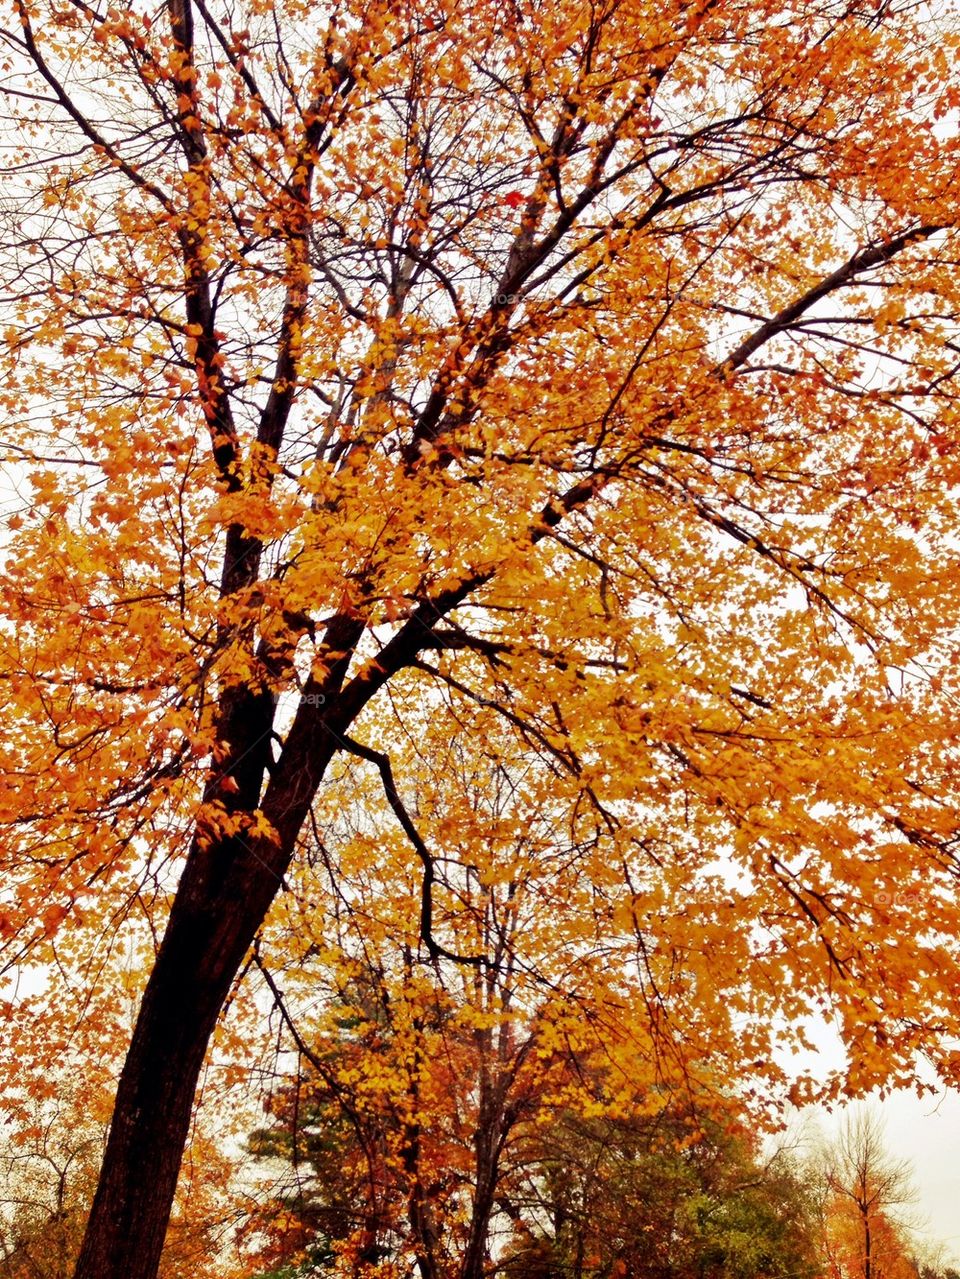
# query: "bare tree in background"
{"points": [[875, 1194]]}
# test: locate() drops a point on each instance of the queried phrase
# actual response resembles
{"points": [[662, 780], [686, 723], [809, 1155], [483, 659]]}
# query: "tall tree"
{"points": [[588, 365], [868, 1194], [682, 1192], [424, 1067]]}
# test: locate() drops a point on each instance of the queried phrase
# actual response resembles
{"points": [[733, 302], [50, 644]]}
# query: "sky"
{"points": [[927, 1131]]}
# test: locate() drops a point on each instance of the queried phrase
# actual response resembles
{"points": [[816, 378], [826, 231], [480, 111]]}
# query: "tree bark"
{"points": [[222, 899], [202, 950]]}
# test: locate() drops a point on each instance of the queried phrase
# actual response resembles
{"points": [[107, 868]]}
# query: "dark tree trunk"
{"points": [[224, 894], [222, 899], [202, 950], [492, 1127], [475, 1254]]}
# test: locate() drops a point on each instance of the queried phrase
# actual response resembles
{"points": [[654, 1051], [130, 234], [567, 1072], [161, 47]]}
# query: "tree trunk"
{"points": [[492, 1126], [212, 925], [223, 897]]}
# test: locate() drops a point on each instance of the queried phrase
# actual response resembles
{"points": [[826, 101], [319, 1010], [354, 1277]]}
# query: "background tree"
{"points": [[53, 1142], [932, 1259], [665, 1189], [677, 1193], [49, 1169], [429, 1065], [592, 367], [868, 1195]]}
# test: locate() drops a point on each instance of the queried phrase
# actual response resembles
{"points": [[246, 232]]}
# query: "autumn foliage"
{"points": [[511, 445], [867, 1203]]}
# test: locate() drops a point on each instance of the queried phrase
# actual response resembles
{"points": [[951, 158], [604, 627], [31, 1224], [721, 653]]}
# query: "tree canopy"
{"points": [[558, 398]]}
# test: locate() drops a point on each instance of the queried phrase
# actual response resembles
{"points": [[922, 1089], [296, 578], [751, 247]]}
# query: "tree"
{"points": [[49, 1170], [668, 1186], [422, 1072], [682, 1192], [54, 1140], [868, 1192], [592, 367]]}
